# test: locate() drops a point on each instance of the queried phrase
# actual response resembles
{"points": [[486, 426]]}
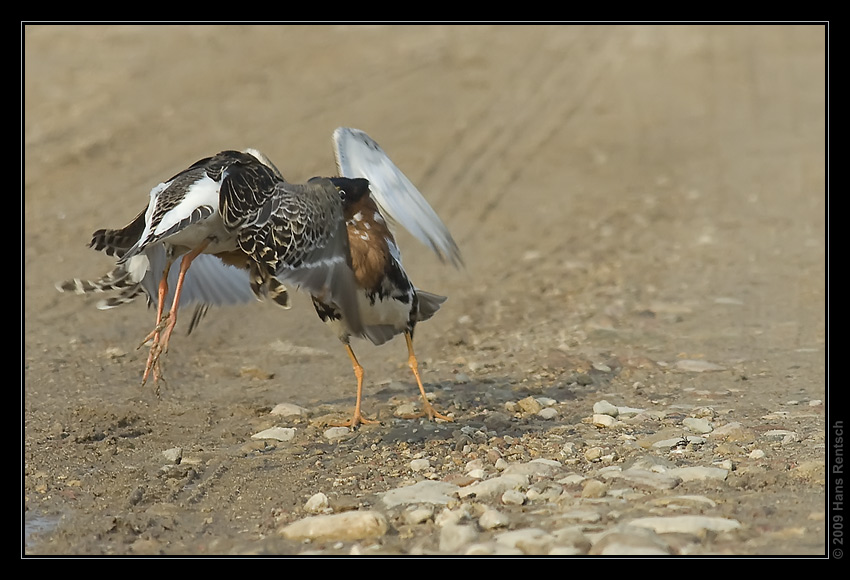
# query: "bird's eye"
{"points": [[342, 194]]}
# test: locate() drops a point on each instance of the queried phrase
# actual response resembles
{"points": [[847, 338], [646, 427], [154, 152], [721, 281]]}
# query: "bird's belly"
{"points": [[386, 311]]}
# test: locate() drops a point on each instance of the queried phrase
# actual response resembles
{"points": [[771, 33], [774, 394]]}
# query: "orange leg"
{"points": [[414, 366], [160, 324], [357, 418], [165, 324]]}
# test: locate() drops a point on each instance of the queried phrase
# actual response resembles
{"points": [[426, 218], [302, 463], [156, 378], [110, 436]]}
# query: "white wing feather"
{"points": [[358, 155]]}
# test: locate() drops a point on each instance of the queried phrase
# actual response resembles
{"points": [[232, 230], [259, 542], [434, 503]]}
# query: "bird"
{"points": [[331, 237], [380, 302], [193, 216], [377, 198]]}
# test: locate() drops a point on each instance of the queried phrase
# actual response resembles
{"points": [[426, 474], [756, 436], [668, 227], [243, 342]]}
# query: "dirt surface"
{"points": [[627, 199]]}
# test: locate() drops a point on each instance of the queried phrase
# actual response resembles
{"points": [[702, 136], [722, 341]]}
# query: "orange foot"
{"points": [[356, 419], [160, 336], [429, 412]]}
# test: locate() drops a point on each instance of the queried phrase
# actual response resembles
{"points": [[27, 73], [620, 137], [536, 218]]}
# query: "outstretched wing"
{"points": [[358, 155]]}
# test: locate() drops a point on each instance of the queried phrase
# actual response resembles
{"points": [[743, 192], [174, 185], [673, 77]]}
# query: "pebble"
{"points": [[697, 366], [605, 408], [288, 410], [600, 420], [781, 435], [535, 467], [420, 464], [447, 515], [417, 514], [405, 409], [495, 487], [593, 488], [529, 405], [572, 479], [548, 413], [455, 536], [594, 453], [492, 518], [630, 540], [644, 478], [689, 524], [276, 433], [317, 503], [698, 473], [173, 455], [697, 425], [513, 497], [584, 515], [344, 527], [337, 433], [432, 492], [529, 541]]}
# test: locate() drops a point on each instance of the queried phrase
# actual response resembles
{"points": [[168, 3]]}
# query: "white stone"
{"points": [[698, 473], [288, 409], [601, 420], [528, 540], [454, 536], [492, 519], [605, 408], [420, 464], [346, 526], [317, 503], [433, 492], [645, 478], [474, 464], [572, 479], [173, 455], [513, 497], [697, 425], [539, 468], [548, 413], [495, 487], [405, 410], [336, 433], [417, 514], [686, 524], [276, 433]]}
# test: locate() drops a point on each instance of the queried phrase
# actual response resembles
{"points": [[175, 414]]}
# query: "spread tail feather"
{"points": [[428, 304]]}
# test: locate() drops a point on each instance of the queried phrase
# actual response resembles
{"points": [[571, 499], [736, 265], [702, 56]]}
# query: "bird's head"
{"points": [[351, 190]]}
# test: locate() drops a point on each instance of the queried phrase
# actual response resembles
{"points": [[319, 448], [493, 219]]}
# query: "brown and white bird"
{"points": [[194, 215], [330, 237], [377, 196]]}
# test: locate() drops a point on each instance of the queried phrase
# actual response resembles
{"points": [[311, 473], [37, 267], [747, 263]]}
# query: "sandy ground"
{"points": [[641, 194]]}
